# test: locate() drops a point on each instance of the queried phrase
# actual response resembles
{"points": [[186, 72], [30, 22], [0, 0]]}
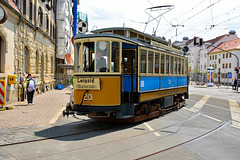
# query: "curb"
{"points": [[5, 108]]}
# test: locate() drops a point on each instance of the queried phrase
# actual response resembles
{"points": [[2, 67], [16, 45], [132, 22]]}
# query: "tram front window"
{"points": [[99, 61], [88, 57]]}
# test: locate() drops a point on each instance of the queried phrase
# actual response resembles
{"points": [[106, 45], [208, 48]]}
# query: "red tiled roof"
{"points": [[229, 45]]}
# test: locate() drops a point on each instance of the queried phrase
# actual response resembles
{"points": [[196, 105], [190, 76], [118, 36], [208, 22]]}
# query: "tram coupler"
{"points": [[68, 111]]}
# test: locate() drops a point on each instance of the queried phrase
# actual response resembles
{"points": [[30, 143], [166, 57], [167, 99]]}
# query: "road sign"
{"points": [[82, 26], [229, 74], [2, 93]]}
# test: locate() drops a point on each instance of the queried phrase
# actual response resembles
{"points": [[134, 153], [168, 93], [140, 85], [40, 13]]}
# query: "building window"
{"points": [[226, 65], [230, 65], [230, 55], [31, 11], [2, 57], [215, 56], [24, 7], [219, 60], [37, 63], [210, 57], [40, 16], [26, 61], [226, 55], [47, 23], [223, 56], [223, 65]]}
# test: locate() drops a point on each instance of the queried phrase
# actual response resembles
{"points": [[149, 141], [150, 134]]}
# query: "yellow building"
{"points": [[27, 45]]}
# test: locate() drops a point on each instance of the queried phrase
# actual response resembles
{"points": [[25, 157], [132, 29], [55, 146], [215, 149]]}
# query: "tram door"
{"points": [[129, 70]]}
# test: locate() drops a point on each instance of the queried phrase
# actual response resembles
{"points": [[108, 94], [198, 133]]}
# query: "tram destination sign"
{"points": [[86, 83]]}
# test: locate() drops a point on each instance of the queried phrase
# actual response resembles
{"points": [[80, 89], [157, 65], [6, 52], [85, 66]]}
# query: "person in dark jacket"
{"points": [[235, 84]]}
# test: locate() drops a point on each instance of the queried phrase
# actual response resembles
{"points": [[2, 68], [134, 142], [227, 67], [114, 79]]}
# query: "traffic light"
{"points": [[237, 69], [195, 41], [200, 41]]}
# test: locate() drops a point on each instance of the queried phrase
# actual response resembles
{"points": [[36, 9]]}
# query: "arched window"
{"points": [[40, 16], [26, 61], [47, 23], [31, 10], [2, 57], [37, 63], [46, 64], [52, 65], [24, 7]]}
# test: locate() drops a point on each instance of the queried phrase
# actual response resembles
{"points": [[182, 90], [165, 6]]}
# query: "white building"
{"points": [[198, 58], [65, 49], [225, 62]]}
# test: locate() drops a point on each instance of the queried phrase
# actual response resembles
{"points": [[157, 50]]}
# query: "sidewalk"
{"points": [[47, 106], [222, 92]]}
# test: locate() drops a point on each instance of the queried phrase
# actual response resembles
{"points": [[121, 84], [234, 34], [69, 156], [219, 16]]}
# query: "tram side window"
{"points": [[175, 64], [185, 71], [179, 65], [172, 66], [157, 63], [182, 66], [143, 61], [115, 57], [150, 62], [167, 64], [162, 63], [88, 57], [103, 56]]}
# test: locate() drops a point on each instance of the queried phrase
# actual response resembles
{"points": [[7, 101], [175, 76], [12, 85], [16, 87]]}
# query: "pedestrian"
{"points": [[235, 84], [30, 88]]}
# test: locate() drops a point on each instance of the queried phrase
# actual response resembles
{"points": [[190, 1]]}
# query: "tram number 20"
{"points": [[88, 97]]}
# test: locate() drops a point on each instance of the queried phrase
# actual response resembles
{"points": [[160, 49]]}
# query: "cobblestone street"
{"points": [[47, 106]]}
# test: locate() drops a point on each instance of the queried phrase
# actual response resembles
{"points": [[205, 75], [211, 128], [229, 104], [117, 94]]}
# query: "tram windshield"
{"points": [[100, 56]]}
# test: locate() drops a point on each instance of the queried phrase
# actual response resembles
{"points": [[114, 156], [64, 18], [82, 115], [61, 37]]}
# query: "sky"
{"points": [[206, 19]]}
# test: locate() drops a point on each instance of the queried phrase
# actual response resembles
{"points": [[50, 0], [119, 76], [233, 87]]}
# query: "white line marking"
{"points": [[212, 118], [151, 129], [198, 106], [187, 109], [235, 113], [56, 117]]}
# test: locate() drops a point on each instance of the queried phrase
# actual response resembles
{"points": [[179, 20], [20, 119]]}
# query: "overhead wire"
{"points": [[211, 19]]}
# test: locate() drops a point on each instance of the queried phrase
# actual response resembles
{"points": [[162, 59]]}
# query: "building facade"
{"points": [[198, 56], [224, 60], [28, 45], [65, 49]]}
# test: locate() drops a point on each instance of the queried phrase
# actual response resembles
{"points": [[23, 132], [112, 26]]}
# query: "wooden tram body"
{"points": [[143, 76]]}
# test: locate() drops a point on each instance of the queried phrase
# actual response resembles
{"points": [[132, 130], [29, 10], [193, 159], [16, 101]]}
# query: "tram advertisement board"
{"points": [[86, 83]]}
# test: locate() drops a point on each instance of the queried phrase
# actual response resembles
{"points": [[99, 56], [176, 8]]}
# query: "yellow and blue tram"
{"points": [[123, 75]]}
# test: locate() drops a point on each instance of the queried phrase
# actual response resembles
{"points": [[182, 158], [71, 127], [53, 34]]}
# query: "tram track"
{"points": [[186, 142], [100, 144], [57, 137], [214, 113]]}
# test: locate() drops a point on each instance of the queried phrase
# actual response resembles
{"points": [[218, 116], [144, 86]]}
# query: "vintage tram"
{"points": [[123, 75]]}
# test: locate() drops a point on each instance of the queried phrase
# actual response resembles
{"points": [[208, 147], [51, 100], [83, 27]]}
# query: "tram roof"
{"points": [[133, 40]]}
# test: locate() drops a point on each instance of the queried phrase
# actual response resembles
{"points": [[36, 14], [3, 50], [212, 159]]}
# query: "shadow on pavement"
{"points": [[82, 130]]}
